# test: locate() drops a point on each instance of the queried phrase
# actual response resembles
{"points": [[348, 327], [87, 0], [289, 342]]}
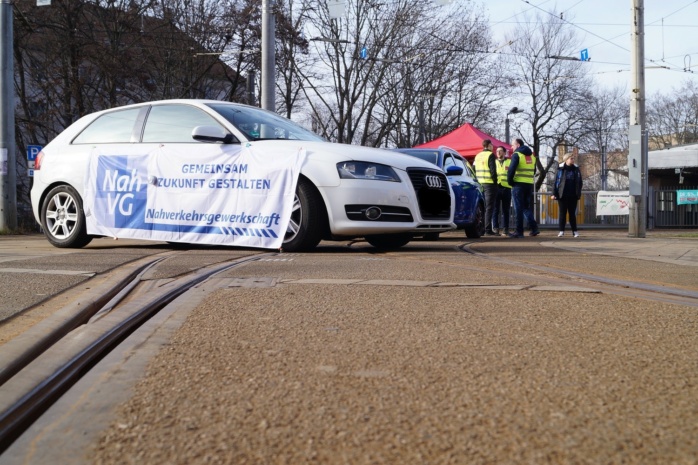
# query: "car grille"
{"points": [[433, 193], [388, 213]]}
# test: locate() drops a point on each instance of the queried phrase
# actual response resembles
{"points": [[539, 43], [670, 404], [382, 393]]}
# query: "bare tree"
{"points": [[555, 83], [672, 119], [414, 56]]}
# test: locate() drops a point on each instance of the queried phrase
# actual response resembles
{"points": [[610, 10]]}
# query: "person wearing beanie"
{"points": [[567, 191]]}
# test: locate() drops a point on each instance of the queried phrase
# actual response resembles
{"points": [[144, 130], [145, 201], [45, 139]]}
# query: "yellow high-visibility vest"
{"points": [[482, 169], [525, 169], [502, 169]]}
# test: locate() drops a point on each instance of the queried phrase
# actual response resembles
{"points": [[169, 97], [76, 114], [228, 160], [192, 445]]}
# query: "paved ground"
{"points": [[315, 368]]}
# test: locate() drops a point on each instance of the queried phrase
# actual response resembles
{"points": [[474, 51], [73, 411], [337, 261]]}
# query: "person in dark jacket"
{"points": [[520, 176], [568, 191]]}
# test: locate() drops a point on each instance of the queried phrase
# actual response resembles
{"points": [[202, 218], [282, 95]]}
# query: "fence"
{"points": [[664, 212], [547, 211]]}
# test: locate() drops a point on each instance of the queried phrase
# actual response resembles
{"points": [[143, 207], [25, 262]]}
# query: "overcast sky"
{"points": [[671, 30]]}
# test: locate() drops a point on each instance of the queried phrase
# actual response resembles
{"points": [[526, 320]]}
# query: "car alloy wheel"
{"points": [[477, 229], [308, 219], [63, 219]]}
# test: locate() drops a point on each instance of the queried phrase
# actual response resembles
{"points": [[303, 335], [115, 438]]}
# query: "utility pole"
{"points": [[268, 56], [422, 131], [8, 163], [249, 86], [637, 154]]}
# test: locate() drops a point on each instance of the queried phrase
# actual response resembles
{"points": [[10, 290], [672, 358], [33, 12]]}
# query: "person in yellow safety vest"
{"points": [[502, 200], [486, 172], [520, 176]]}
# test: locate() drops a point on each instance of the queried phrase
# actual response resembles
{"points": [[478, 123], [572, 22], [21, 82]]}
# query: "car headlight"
{"points": [[366, 170]]}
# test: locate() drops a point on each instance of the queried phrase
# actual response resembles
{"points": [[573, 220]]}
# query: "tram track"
{"points": [[96, 329], [624, 287]]}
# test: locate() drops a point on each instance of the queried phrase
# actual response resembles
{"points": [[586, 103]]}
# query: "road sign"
{"points": [[363, 53], [33, 151], [584, 54]]}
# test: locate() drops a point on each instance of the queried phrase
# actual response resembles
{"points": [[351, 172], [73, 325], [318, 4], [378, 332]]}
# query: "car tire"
{"points": [[477, 228], [63, 218], [389, 241], [308, 219]]}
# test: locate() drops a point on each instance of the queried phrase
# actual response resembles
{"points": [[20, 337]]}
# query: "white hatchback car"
{"points": [[170, 170]]}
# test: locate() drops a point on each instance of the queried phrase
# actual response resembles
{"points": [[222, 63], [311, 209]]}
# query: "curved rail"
{"points": [[623, 287], [24, 411]]}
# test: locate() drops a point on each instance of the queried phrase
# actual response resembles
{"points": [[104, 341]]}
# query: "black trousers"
{"points": [[502, 204], [568, 207], [490, 191]]}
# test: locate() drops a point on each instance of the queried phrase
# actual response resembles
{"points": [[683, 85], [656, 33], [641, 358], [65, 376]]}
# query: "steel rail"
{"points": [[623, 287], [87, 310], [19, 416]]}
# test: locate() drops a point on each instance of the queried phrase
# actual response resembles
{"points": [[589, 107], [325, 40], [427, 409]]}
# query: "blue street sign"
{"points": [[33, 151], [363, 53], [584, 55]]}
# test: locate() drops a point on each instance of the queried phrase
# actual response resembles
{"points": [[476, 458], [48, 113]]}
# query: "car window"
{"points": [[115, 127], [432, 156], [257, 124], [448, 161], [469, 169], [174, 123], [459, 163]]}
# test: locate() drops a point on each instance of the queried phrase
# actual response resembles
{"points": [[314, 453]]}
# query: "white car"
{"points": [[339, 191]]}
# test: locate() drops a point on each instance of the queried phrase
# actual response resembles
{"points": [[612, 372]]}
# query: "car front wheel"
{"points": [[477, 229], [63, 218], [308, 219]]}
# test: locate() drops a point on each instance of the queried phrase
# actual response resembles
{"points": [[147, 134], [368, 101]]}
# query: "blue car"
{"points": [[470, 202]]}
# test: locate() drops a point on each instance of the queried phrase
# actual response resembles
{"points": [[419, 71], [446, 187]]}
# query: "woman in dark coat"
{"points": [[568, 191]]}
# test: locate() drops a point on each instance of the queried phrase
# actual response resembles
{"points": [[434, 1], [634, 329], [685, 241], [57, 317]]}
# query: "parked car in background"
{"points": [[171, 171], [470, 204]]}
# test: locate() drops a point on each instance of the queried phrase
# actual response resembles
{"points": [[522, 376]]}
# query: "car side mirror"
{"points": [[454, 171], [213, 134]]}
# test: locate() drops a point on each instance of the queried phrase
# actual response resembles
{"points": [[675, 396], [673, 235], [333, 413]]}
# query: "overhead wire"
{"points": [[610, 41]]}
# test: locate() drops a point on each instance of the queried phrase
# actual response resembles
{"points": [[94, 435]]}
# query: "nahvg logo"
{"points": [[121, 191]]}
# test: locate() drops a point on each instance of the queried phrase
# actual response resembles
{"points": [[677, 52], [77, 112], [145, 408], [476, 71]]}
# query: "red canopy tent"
{"points": [[466, 140]]}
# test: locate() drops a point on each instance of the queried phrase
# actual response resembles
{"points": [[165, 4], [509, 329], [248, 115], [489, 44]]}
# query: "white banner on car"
{"points": [[208, 194], [613, 203]]}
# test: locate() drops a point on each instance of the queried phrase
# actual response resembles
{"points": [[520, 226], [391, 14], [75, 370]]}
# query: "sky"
{"points": [[671, 36]]}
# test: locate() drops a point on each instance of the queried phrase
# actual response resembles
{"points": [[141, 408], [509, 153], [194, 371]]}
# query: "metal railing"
{"points": [[547, 211], [664, 211]]}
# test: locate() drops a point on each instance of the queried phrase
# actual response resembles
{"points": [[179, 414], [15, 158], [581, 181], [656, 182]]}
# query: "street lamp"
{"points": [[332, 41], [506, 123]]}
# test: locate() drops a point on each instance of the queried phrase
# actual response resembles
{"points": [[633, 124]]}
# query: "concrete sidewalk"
{"points": [[660, 247]]}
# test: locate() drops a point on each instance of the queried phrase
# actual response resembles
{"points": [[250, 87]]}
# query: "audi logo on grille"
{"points": [[432, 181]]}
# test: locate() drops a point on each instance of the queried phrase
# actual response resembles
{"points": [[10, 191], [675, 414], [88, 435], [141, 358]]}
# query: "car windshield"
{"points": [[432, 156], [258, 124]]}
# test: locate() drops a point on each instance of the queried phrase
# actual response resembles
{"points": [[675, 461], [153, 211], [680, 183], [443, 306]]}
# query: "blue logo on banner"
{"points": [[122, 190]]}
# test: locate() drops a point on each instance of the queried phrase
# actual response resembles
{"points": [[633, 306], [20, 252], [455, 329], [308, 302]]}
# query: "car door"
{"points": [[459, 185], [471, 189]]}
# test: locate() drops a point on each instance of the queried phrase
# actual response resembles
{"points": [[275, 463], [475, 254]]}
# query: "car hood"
{"points": [[335, 153]]}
